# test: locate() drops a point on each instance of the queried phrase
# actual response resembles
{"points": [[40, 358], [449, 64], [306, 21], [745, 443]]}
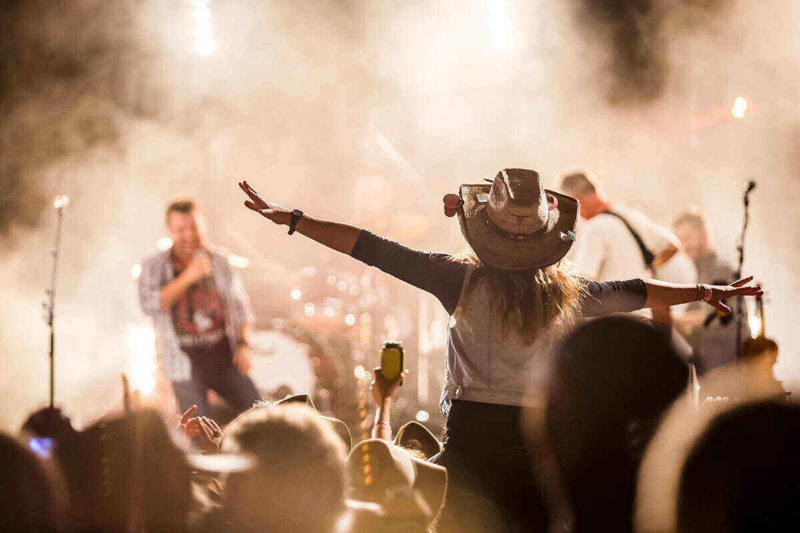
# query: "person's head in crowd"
{"points": [[298, 482], [187, 227], [612, 379], [126, 474], [47, 422], [28, 501], [741, 475], [585, 187], [692, 228], [410, 490], [338, 426], [517, 233]]}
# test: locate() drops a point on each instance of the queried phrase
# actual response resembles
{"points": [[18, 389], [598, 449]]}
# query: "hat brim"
{"points": [[392, 465], [414, 434], [501, 250]]}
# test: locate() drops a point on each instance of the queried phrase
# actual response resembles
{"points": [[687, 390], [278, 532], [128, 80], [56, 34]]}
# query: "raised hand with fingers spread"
{"points": [[737, 288], [271, 211], [200, 426]]}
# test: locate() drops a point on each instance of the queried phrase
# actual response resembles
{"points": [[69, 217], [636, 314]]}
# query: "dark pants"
{"points": [[491, 484], [237, 390]]}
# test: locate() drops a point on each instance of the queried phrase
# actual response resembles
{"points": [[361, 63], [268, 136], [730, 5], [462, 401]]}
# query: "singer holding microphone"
{"points": [[201, 312]]}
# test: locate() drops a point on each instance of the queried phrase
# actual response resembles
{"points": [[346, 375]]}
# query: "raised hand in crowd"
{"points": [[203, 427], [737, 288], [131, 399], [665, 294], [269, 210], [382, 391]]}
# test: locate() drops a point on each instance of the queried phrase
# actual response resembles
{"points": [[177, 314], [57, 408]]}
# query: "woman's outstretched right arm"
{"points": [[336, 235], [431, 272]]}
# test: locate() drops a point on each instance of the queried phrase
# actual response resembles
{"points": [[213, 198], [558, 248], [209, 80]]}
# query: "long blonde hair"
{"points": [[526, 302]]}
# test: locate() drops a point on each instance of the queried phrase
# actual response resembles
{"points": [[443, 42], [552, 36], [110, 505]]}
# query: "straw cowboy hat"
{"points": [[513, 223], [230, 462], [416, 436], [339, 426], [377, 468]]}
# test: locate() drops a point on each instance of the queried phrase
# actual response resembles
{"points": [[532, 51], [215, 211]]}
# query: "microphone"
{"points": [[750, 186], [208, 279]]}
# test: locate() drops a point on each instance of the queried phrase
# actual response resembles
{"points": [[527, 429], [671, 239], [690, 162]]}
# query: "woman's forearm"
{"points": [[382, 428], [336, 235], [665, 294]]}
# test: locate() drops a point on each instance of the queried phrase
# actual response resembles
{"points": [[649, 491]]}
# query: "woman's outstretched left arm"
{"points": [[664, 294], [605, 297]]}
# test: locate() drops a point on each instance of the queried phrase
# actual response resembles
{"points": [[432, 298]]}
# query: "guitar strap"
{"points": [[647, 255]]}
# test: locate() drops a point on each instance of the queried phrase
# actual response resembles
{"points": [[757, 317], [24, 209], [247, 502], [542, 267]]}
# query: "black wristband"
{"points": [[296, 216]]}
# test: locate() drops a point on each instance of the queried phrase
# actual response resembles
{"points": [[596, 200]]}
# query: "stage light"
{"points": [[309, 310], [296, 294], [350, 319], [754, 321], [60, 201], [423, 416], [331, 280], [359, 372], [238, 261], [203, 31], [366, 317], [142, 352], [354, 290], [739, 108], [164, 243], [136, 271], [342, 286], [329, 311], [498, 20]]}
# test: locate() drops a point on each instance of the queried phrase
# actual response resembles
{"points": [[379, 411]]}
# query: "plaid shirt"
{"points": [[157, 271]]}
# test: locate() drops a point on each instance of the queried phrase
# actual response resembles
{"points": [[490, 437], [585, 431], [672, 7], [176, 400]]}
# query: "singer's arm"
{"points": [[173, 290]]}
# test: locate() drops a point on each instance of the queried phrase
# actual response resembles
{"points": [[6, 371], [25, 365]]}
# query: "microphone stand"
{"points": [[739, 313], [50, 306]]}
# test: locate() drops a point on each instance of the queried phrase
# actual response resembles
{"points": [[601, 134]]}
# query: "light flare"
{"points": [[238, 261], [203, 30], [739, 109], [143, 362], [164, 243], [754, 322]]}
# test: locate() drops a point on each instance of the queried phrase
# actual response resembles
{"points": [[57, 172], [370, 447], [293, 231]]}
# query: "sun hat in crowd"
{"points": [[416, 436], [377, 468], [513, 222], [339, 426]]}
